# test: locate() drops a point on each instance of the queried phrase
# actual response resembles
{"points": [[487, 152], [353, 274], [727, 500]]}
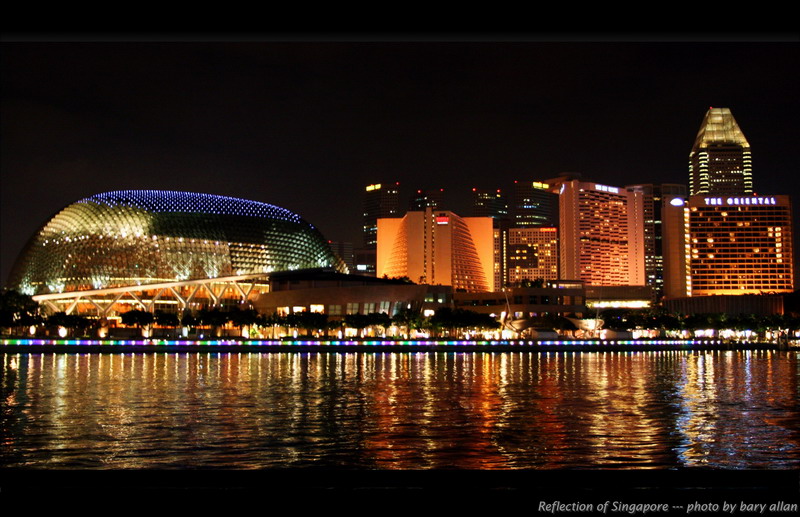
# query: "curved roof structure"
{"points": [[138, 237]]}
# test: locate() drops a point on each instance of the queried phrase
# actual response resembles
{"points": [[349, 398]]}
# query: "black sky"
{"points": [[306, 125]]}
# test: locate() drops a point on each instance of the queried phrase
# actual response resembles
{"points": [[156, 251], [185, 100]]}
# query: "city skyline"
{"points": [[306, 126]]}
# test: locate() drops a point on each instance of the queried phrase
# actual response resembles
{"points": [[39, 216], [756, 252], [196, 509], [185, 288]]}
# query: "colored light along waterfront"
{"points": [[155, 343]]}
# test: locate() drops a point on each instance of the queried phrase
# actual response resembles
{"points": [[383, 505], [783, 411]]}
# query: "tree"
{"points": [[69, 321], [18, 310], [379, 319], [213, 318], [166, 319], [310, 321], [455, 321], [408, 318], [356, 321], [137, 317], [244, 317], [187, 319]]}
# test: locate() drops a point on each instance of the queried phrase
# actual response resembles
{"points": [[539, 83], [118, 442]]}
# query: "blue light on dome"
{"points": [[136, 237]]}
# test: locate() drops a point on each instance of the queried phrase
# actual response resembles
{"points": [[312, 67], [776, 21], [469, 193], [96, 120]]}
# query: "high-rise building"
{"points": [[673, 246], [494, 204], [500, 237], [437, 247], [720, 161], [738, 245], [655, 201], [532, 254], [381, 200], [534, 204], [489, 203], [345, 251], [423, 199], [601, 234]]}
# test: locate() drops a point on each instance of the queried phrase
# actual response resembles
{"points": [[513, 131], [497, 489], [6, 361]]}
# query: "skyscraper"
{"points": [[720, 161], [437, 247], [423, 199], [380, 201], [532, 254], [534, 204], [601, 234], [655, 201], [489, 203]]}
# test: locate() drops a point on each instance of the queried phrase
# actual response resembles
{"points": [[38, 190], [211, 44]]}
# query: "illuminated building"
{"points": [[600, 297], [489, 203], [518, 303], [423, 199], [534, 204], [492, 203], [163, 247], [337, 295], [380, 200], [673, 245], [656, 200], [601, 234], [344, 250], [720, 161], [500, 252], [738, 245], [532, 254], [437, 247]]}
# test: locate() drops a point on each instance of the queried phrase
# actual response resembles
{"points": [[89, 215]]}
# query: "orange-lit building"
{"points": [[657, 199], [532, 254], [601, 234], [738, 245], [438, 247]]}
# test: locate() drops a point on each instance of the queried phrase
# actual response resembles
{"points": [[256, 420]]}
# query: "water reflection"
{"points": [[401, 410]]}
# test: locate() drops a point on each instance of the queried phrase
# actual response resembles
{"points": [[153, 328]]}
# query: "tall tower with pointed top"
{"points": [[720, 161]]}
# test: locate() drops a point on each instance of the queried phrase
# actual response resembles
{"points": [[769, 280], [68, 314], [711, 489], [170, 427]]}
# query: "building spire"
{"points": [[720, 160], [719, 127]]}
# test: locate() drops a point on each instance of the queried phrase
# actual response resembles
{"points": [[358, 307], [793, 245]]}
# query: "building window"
{"points": [[335, 310], [352, 308]]}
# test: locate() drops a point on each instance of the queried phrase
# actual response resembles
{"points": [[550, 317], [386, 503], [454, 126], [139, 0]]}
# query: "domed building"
{"points": [[118, 240]]}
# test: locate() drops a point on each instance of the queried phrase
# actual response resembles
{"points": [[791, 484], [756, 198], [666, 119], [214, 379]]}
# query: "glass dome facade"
{"points": [[138, 237]]}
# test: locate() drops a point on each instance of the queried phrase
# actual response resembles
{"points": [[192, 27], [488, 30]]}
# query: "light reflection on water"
{"points": [[720, 409]]}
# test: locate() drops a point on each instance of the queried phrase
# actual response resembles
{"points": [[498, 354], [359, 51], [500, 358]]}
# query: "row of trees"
{"points": [[660, 319], [19, 312]]}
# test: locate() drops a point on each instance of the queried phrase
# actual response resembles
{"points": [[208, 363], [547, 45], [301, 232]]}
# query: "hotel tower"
{"points": [[437, 247], [735, 242], [601, 234], [720, 161]]}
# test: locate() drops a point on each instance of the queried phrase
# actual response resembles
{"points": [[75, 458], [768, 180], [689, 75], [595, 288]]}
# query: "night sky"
{"points": [[306, 125]]}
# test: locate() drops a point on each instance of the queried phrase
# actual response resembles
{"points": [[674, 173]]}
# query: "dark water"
{"points": [[618, 410]]}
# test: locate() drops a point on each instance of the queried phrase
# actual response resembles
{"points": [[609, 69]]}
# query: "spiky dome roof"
{"points": [[137, 237]]}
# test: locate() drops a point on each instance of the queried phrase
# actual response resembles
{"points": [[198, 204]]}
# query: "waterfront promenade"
{"points": [[375, 345]]}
